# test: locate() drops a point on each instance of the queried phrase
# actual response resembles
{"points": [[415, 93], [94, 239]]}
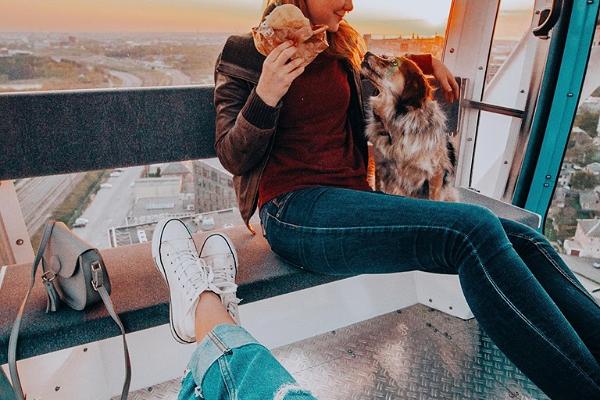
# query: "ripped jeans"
{"points": [[520, 290], [230, 364]]}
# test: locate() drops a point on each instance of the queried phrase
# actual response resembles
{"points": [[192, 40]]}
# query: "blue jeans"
{"points": [[517, 286], [230, 364]]}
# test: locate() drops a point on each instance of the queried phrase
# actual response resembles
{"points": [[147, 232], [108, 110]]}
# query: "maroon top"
{"points": [[313, 143]]}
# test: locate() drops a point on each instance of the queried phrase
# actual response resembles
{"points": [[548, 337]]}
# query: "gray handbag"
{"points": [[72, 272]]}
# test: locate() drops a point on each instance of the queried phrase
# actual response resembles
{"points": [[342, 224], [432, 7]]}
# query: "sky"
{"points": [[425, 17]]}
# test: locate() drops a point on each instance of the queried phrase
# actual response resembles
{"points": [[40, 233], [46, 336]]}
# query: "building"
{"points": [[590, 200], [586, 242], [398, 45], [213, 186], [560, 197], [152, 209], [157, 187], [566, 172], [180, 169], [593, 168], [579, 137], [140, 232], [591, 104], [157, 198]]}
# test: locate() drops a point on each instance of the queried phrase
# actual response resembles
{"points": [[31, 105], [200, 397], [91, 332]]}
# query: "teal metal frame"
{"points": [[582, 25], [542, 108]]}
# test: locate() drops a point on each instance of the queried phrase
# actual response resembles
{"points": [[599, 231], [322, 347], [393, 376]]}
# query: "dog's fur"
{"points": [[414, 155]]}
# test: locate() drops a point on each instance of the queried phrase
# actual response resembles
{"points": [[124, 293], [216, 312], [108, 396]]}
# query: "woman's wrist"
{"points": [[259, 113], [268, 100]]}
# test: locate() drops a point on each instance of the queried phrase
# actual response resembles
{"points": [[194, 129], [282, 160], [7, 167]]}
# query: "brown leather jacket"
{"points": [[245, 125]]}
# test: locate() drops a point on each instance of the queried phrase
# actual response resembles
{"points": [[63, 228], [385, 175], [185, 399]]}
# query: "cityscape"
{"points": [[121, 206], [117, 207]]}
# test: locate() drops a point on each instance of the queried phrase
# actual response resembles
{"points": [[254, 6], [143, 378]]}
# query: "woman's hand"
{"points": [[278, 74], [446, 80]]}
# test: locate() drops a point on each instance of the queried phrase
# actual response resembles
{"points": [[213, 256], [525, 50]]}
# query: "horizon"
{"points": [[212, 16]]}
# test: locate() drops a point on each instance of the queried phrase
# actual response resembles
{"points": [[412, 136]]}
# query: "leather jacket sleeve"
{"points": [[244, 124]]}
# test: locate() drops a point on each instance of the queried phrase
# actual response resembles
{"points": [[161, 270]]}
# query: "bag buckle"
{"points": [[48, 276], [97, 278]]}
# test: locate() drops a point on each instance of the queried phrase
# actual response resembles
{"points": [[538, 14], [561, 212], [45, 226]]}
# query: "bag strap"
{"points": [[98, 285], [14, 333]]}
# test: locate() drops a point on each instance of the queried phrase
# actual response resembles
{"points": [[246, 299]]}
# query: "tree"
{"points": [[582, 180], [588, 122]]}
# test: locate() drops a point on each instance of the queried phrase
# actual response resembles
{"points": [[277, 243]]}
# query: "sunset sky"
{"points": [[425, 17]]}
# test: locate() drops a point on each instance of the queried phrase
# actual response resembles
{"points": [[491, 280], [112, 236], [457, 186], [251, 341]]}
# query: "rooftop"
{"points": [[591, 227], [215, 164], [142, 231]]}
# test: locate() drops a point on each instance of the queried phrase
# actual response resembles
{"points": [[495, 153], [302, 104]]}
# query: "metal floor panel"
{"points": [[415, 353]]}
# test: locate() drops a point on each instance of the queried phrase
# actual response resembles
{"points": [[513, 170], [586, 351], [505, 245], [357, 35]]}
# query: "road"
{"points": [[39, 196], [116, 67], [109, 208], [127, 79]]}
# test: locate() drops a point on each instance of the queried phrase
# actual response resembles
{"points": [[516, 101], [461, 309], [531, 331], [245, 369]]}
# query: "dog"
{"points": [[415, 156]]}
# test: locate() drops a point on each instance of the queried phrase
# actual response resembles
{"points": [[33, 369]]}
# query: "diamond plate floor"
{"points": [[415, 353]]}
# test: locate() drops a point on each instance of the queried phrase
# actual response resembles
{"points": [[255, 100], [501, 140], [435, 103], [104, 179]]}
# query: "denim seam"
{"points": [[359, 228], [227, 378], [531, 325], [538, 246], [488, 277], [219, 343], [284, 202]]}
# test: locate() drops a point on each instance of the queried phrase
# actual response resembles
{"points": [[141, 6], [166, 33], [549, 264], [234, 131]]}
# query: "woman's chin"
{"points": [[333, 27]]}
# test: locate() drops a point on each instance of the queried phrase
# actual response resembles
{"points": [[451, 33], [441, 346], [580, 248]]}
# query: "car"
{"points": [[115, 174], [596, 264], [105, 185], [80, 222]]}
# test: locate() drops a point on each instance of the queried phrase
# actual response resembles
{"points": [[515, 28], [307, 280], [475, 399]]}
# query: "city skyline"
{"points": [[426, 18]]}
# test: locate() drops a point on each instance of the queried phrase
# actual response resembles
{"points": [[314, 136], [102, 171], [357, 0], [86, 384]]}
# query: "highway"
{"points": [[118, 66], [109, 208], [39, 196]]}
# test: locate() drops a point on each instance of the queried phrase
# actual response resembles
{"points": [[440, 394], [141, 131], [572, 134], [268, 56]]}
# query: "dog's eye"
{"points": [[395, 62]]}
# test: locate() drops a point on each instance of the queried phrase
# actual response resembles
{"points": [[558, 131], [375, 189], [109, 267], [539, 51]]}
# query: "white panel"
{"points": [[95, 371], [469, 37], [442, 292]]}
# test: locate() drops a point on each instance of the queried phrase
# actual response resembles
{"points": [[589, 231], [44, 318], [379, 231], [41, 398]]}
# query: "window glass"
{"points": [[74, 45], [513, 71], [105, 44], [509, 54], [573, 223]]}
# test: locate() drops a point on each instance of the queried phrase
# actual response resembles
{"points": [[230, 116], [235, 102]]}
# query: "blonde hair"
{"points": [[346, 43]]}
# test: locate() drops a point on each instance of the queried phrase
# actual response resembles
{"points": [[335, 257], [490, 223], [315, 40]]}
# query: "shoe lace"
{"points": [[225, 279], [195, 272]]}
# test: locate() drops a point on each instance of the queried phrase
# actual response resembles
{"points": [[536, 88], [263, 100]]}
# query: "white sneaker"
{"points": [[187, 276], [219, 255]]}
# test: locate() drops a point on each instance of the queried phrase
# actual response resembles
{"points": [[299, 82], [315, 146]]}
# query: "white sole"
{"points": [[156, 242]]}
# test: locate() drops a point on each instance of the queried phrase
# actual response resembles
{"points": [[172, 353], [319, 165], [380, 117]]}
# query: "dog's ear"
{"points": [[417, 89]]}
